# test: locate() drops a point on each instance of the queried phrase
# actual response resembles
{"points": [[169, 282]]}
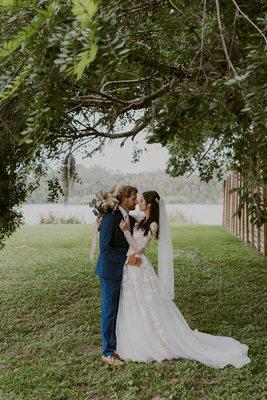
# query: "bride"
{"points": [[149, 325]]}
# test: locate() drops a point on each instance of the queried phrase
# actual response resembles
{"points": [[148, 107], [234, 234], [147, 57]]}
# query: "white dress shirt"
{"points": [[124, 212]]}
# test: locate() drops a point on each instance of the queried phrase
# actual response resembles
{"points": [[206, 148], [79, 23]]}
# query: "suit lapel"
{"points": [[118, 211], [132, 220]]}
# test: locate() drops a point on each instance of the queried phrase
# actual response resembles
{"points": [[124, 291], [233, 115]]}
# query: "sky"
{"points": [[116, 158]]}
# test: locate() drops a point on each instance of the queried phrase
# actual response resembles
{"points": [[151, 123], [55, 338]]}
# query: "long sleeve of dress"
{"points": [[139, 247]]}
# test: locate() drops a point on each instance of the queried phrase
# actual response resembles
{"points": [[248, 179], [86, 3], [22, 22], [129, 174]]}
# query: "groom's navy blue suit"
{"points": [[113, 248]]}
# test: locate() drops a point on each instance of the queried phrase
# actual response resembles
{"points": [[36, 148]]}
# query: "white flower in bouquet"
{"points": [[105, 201]]}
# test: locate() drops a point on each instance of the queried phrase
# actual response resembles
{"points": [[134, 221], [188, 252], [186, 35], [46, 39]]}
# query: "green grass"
{"points": [[49, 327]]}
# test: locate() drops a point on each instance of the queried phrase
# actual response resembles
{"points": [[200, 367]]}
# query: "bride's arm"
{"points": [[139, 247]]}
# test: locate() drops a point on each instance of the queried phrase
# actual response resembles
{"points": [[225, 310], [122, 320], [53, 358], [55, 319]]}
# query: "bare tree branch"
{"points": [[143, 6], [221, 29], [179, 73], [174, 7], [203, 156], [142, 101], [128, 82], [202, 33], [91, 153], [93, 132], [105, 95], [133, 104], [251, 22], [233, 34]]}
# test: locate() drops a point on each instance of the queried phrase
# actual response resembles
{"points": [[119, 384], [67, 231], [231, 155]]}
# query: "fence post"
{"points": [[224, 203], [265, 225], [242, 227]]}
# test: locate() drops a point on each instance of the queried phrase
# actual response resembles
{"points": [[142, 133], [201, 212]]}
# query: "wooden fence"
{"points": [[241, 227]]}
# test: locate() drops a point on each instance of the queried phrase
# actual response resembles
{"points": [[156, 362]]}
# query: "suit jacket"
{"points": [[113, 246]]}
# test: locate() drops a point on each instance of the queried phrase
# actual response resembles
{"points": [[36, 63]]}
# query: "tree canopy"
{"points": [[77, 73]]}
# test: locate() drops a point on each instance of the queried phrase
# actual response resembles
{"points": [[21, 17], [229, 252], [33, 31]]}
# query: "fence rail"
{"points": [[241, 227]]}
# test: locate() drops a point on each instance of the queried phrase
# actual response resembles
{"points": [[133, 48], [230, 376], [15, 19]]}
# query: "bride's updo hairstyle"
{"points": [[151, 197]]}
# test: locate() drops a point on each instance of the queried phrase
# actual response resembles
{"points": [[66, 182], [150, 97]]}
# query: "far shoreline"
{"points": [[84, 204]]}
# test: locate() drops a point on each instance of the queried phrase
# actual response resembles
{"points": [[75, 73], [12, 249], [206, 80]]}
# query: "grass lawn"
{"points": [[50, 343]]}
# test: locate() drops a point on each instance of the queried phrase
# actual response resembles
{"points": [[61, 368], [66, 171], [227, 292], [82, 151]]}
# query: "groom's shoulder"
{"points": [[109, 216], [117, 214]]}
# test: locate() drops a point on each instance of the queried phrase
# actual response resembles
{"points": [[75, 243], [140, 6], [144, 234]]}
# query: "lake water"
{"points": [[196, 213]]}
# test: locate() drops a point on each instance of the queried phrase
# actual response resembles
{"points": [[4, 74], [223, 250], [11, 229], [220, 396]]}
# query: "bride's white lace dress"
{"points": [[150, 326]]}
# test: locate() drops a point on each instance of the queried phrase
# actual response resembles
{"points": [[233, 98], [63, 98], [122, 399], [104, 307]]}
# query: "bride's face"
{"points": [[143, 206]]}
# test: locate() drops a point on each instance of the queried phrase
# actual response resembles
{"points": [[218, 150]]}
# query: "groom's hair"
{"points": [[126, 191]]}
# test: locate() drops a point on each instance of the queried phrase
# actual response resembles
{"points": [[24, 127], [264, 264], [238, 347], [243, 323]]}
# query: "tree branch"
{"points": [[174, 7], [101, 94], [144, 6], [203, 156], [93, 132], [155, 64], [138, 103], [202, 33], [128, 82], [221, 29], [251, 22], [133, 104]]}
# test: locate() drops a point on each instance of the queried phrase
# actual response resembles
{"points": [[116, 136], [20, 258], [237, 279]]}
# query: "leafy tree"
{"points": [[190, 74]]}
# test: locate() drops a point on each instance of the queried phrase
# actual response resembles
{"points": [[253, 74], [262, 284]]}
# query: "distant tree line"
{"points": [[174, 190]]}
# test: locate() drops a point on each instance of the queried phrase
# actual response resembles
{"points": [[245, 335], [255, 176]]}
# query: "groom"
{"points": [[113, 248]]}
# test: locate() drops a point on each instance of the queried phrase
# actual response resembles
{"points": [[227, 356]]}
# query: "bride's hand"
{"points": [[123, 226]]}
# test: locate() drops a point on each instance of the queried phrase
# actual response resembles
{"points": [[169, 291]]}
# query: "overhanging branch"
{"points": [[93, 132], [106, 100]]}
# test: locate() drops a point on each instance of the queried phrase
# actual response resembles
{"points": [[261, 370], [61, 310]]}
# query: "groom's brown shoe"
{"points": [[117, 355], [112, 360]]}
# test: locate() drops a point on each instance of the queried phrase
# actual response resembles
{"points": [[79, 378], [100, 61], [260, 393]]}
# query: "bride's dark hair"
{"points": [[151, 197]]}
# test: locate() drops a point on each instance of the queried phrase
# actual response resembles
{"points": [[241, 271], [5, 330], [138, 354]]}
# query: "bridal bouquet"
{"points": [[101, 203], [105, 201]]}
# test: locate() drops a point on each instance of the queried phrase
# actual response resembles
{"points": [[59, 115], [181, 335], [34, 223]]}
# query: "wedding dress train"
{"points": [[150, 327]]}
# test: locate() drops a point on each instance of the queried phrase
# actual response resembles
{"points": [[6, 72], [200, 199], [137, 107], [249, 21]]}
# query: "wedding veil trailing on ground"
{"points": [[165, 252]]}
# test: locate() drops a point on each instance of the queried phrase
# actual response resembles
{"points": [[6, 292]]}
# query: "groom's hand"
{"points": [[134, 260]]}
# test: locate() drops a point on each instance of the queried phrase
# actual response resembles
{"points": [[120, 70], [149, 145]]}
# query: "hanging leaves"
{"points": [[26, 33], [12, 87], [84, 11], [85, 59], [68, 175]]}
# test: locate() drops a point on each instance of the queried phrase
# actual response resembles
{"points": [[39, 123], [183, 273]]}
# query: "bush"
{"points": [[51, 219]]}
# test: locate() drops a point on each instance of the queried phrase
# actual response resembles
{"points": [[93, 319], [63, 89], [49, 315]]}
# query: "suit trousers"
{"points": [[110, 294]]}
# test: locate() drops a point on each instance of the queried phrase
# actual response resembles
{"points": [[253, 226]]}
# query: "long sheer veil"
{"points": [[165, 252]]}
